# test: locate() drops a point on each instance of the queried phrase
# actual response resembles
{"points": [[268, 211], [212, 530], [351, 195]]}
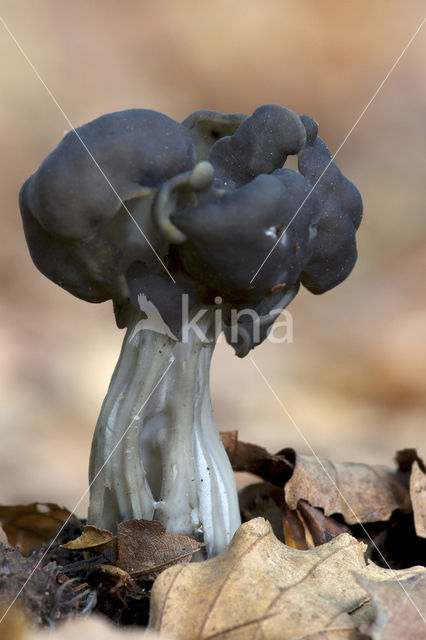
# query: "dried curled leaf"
{"points": [[145, 549], [274, 468], [259, 588], [29, 525], [418, 498], [360, 492], [318, 528], [120, 578], [400, 608], [92, 539]]}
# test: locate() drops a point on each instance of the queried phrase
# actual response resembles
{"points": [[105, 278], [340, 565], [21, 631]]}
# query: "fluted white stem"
{"points": [[156, 452]]}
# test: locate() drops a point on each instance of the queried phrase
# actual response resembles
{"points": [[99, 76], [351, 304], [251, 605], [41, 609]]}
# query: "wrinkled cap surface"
{"points": [[79, 187], [260, 144], [229, 237], [239, 230], [335, 252]]}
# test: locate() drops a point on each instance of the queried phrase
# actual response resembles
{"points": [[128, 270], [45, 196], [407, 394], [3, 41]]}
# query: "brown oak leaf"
{"points": [[400, 608], [145, 549], [360, 492], [319, 528], [29, 525], [259, 588], [274, 468], [92, 539]]}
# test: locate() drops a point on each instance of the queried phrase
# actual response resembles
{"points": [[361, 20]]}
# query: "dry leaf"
{"points": [[294, 529], [360, 492], [400, 608], [259, 588], [418, 498], [120, 578], [318, 527], [145, 549], [244, 456], [29, 525], [92, 539], [304, 528]]}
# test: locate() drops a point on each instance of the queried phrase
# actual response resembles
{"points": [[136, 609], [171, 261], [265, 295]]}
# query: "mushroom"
{"points": [[171, 221]]}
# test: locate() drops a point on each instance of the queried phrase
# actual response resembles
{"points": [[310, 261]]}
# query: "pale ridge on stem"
{"points": [[170, 464]]}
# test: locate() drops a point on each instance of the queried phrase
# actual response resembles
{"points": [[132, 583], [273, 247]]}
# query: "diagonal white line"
{"points": [[52, 97], [344, 141], [82, 497], [333, 482]]}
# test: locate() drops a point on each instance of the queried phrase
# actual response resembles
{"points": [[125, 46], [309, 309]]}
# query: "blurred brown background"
{"points": [[354, 379]]}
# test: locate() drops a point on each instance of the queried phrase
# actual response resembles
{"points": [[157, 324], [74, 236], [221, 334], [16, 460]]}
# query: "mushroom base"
{"points": [[156, 452]]}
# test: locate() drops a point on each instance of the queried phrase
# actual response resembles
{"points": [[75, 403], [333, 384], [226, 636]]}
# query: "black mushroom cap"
{"points": [[305, 229], [228, 239], [211, 195], [229, 236], [261, 144], [335, 251], [239, 220], [69, 208]]}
